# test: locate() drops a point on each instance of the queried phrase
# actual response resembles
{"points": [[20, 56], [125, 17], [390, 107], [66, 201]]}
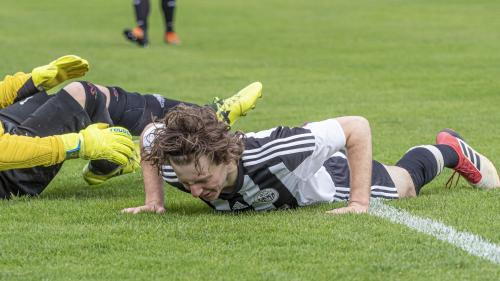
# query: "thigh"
{"points": [[382, 185], [141, 110], [60, 115], [25, 118], [29, 181], [402, 180]]}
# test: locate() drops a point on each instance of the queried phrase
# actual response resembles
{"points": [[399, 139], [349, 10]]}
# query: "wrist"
{"points": [[27, 89], [360, 196], [359, 203], [155, 203], [71, 144]]}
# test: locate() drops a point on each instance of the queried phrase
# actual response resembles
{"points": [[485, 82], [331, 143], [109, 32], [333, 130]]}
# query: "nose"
{"points": [[196, 190]]}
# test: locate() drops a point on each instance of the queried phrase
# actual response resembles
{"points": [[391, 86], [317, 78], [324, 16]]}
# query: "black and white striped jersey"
{"points": [[287, 167]]}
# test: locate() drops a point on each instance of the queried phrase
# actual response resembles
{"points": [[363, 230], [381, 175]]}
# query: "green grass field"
{"points": [[410, 67]]}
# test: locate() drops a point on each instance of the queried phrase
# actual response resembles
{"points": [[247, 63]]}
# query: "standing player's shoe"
{"points": [[230, 109], [93, 177], [172, 38], [474, 167], [136, 35]]}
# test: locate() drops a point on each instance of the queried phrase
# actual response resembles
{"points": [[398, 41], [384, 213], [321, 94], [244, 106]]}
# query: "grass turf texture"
{"points": [[411, 68]]}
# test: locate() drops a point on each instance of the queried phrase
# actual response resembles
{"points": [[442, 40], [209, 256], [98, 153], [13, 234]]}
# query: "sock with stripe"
{"points": [[426, 162], [168, 8], [141, 8]]}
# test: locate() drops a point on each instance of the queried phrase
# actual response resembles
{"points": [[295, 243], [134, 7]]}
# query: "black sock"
{"points": [[450, 157], [141, 8], [27, 90], [168, 8], [424, 163]]}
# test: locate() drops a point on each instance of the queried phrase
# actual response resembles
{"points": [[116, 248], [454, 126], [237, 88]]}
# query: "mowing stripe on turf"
{"points": [[472, 244]]}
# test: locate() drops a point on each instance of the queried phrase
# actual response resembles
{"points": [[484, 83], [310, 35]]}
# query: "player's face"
{"points": [[206, 184]]}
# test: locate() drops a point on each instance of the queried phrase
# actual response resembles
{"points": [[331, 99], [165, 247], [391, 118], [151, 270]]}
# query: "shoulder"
{"points": [[288, 145], [148, 134], [281, 134]]}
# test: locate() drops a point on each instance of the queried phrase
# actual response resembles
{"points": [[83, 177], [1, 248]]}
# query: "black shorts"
{"points": [[382, 186], [138, 111], [24, 118], [134, 110]]}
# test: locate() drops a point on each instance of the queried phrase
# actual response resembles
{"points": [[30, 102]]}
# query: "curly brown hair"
{"points": [[189, 132]]}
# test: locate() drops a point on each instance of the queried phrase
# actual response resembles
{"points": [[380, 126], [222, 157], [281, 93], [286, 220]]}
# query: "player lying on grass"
{"points": [[27, 141], [79, 104], [284, 167]]}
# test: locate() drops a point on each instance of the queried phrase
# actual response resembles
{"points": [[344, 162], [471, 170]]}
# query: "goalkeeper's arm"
{"points": [[95, 142], [15, 87], [21, 85]]}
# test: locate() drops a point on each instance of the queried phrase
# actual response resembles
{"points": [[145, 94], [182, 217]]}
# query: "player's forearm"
{"points": [[24, 152], [359, 155], [153, 185], [361, 170]]}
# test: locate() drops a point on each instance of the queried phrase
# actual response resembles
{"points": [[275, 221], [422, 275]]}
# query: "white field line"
{"points": [[472, 244]]}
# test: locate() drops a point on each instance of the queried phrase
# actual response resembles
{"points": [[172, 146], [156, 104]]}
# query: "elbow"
{"points": [[360, 121], [356, 129], [362, 125], [361, 133]]}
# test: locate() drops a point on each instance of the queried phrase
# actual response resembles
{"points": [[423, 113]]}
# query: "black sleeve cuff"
{"points": [[28, 89]]}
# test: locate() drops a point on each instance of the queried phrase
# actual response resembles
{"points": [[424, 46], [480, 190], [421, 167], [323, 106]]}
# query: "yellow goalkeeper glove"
{"points": [[99, 141], [67, 67]]}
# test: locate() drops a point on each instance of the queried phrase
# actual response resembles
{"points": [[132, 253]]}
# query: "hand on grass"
{"points": [[150, 208], [352, 208]]}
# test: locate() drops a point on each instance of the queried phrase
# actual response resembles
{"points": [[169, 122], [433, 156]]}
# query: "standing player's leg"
{"points": [[139, 34], [168, 8]]}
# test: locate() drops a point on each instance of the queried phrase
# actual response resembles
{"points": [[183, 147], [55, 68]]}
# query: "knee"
{"points": [[362, 124], [91, 99], [403, 181], [77, 91]]}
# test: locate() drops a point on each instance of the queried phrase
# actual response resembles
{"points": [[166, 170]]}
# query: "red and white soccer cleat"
{"points": [[474, 167]]}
